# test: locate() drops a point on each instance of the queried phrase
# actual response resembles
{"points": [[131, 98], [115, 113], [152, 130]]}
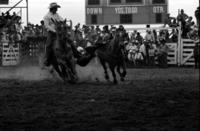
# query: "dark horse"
{"points": [[62, 58], [113, 54]]}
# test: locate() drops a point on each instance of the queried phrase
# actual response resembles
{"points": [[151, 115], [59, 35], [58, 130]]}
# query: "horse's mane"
{"points": [[62, 37], [115, 44]]}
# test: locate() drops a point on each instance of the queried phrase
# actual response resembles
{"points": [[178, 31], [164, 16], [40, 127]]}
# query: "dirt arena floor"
{"points": [[149, 100]]}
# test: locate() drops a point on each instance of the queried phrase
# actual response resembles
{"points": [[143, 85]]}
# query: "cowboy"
{"points": [[51, 31]]}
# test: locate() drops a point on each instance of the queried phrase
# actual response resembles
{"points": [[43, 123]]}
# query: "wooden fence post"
{"points": [[179, 45]]}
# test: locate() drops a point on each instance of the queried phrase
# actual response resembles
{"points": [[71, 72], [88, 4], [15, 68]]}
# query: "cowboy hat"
{"points": [[54, 5]]}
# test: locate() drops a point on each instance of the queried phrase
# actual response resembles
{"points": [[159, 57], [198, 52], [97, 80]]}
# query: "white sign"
{"points": [[126, 10], [94, 11], [158, 9]]}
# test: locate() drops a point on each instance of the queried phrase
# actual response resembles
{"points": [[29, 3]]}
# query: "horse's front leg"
{"points": [[56, 67], [120, 74], [112, 69], [64, 73], [105, 68], [124, 69], [72, 69]]}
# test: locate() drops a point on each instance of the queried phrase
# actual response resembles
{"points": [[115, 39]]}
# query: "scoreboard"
{"points": [[4, 2], [101, 12]]}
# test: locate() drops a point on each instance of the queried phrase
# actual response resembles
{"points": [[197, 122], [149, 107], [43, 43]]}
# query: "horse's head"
{"points": [[61, 28], [119, 40]]}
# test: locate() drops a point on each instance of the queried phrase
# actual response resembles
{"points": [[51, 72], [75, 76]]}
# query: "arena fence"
{"points": [[10, 53], [187, 56], [180, 53], [36, 45], [172, 54]]}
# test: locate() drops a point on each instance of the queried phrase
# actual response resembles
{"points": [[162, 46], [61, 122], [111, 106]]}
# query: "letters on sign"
{"points": [[126, 10], [94, 11], [158, 9]]}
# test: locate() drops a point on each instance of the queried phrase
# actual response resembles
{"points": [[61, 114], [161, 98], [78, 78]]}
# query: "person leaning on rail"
{"points": [[169, 21]]}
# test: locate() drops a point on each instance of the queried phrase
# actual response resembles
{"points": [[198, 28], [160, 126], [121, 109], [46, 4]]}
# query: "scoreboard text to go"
{"points": [[124, 10]]}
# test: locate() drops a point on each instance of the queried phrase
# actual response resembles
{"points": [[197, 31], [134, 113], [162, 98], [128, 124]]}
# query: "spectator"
{"points": [[92, 34], [131, 48], [174, 23], [105, 34], [197, 15], [112, 27], [149, 36], [8, 16], [139, 38], [174, 35], [148, 40], [121, 28], [2, 20], [162, 54], [166, 32], [138, 58], [161, 35], [133, 36], [182, 17], [97, 29], [37, 30], [193, 33], [152, 52], [196, 52], [169, 21], [142, 49], [77, 28], [44, 31], [155, 36], [14, 16]]}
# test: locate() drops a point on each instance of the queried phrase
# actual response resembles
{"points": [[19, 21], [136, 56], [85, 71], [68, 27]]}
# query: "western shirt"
{"points": [[48, 21]]}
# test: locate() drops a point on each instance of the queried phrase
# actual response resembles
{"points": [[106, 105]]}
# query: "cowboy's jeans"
{"points": [[51, 37]]}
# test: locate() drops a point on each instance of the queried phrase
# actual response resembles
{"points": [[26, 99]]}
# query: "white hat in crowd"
{"points": [[54, 5]]}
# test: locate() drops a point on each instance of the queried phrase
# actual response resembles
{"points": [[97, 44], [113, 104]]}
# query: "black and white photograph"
{"points": [[99, 65]]}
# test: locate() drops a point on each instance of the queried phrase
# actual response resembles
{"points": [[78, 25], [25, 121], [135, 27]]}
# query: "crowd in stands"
{"points": [[188, 27], [141, 49], [10, 27]]}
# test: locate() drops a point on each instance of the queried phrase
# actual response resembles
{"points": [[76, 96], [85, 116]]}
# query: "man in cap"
{"points": [[182, 17], [51, 31]]}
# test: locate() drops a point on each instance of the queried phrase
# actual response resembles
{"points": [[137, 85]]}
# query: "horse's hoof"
{"points": [[115, 82], [65, 82], [107, 78], [124, 74], [71, 82], [51, 71], [122, 79]]}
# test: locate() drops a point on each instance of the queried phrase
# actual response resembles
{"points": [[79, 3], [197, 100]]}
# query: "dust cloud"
{"points": [[24, 73], [92, 72]]}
